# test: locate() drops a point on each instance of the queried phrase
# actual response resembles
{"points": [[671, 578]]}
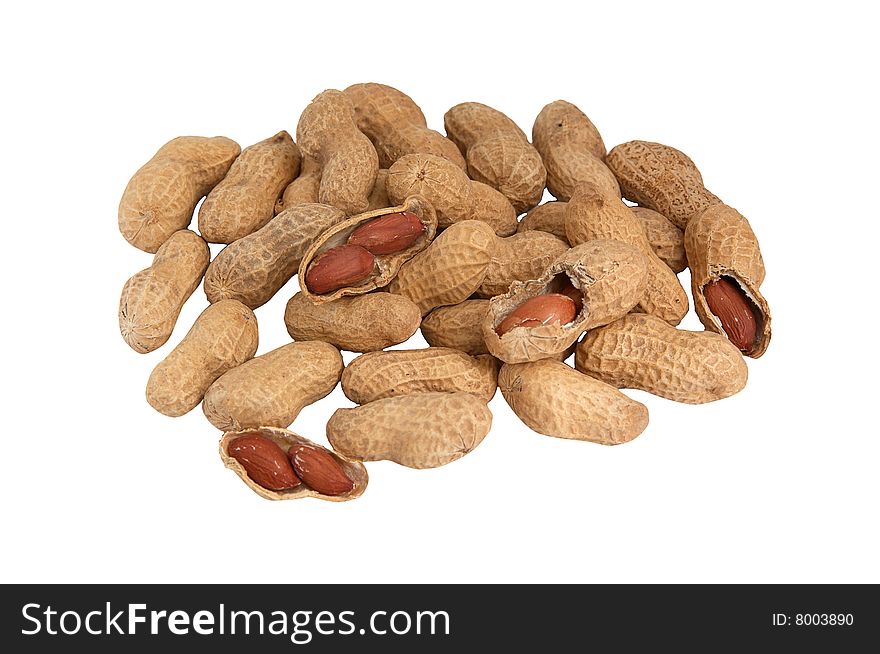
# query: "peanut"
{"points": [[319, 470], [547, 309], [554, 400], [396, 126], [362, 323], [161, 196], [223, 336], [548, 217], [450, 269], [457, 326], [666, 239], [254, 268], [315, 465], [594, 214], [264, 462], [518, 258], [151, 300], [661, 178], [245, 199], [378, 375], [379, 197], [449, 190], [343, 265], [721, 245], [303, 189], [270, 390], [498, 153], [644, 352], [608, 279], [327, 132], [572, 150], [425, 430], [392, 237]]}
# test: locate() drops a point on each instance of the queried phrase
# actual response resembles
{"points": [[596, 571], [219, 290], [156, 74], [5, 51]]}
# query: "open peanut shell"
{"points": [[284, 438], [611, 276], [720, 244], [386, 265]]}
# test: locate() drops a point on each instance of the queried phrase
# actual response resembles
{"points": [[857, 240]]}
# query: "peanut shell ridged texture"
{"points": [[378, 375], [161, 197], [553, 399], [396, 125], [386, 266], [252, 269], [245, 199], [548, 217], [304, 189], [611, 276], [498, 153], [361, 323], [449, 190], [379, 197], [593, 214], [458, 326], [519, 258], [354, 470], [224, 336], [151, 300], [572, 150], [327, 131], [720, 243], [666, 239], [641, 351], [418, 431], [450, 269], [270, 390], [661, 178]]}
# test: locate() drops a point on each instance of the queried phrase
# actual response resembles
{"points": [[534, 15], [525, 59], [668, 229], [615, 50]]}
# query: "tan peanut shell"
{"points": [[661, 178], [553, 399], [644, 352], [151, 300], [426, 430], [245, 199], [252, 269], [396, 125], [459, 326], [162, 195], [548, 217], [450, 269], [360, 323], [666, 239], [284, 438], [449, 190], [327, 131], [498, 153], [270, 390], [378, 375], [519, 258], [593, 214], [610, 274], [386, 266], [379, 197], [572, 150], [720, 243], [225, 335], [304, 189]]}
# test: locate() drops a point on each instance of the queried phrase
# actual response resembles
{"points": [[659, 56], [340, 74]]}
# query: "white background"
{"points": [[774, 101]]}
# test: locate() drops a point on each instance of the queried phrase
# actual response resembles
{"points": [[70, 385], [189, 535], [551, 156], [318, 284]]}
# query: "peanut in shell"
{"points": [[665, 238], [519, 258], [458, 326], [303, 189], [548, 217]]}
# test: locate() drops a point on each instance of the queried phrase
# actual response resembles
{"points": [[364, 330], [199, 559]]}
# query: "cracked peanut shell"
{"points": [[611, 275], [720, 243], [555, 400], [426, 430], [270, 390], [641, 351], [284, 438]]}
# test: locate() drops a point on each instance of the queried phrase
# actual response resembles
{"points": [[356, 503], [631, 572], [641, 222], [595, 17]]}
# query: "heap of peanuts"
{"points": [[392, 227]]}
